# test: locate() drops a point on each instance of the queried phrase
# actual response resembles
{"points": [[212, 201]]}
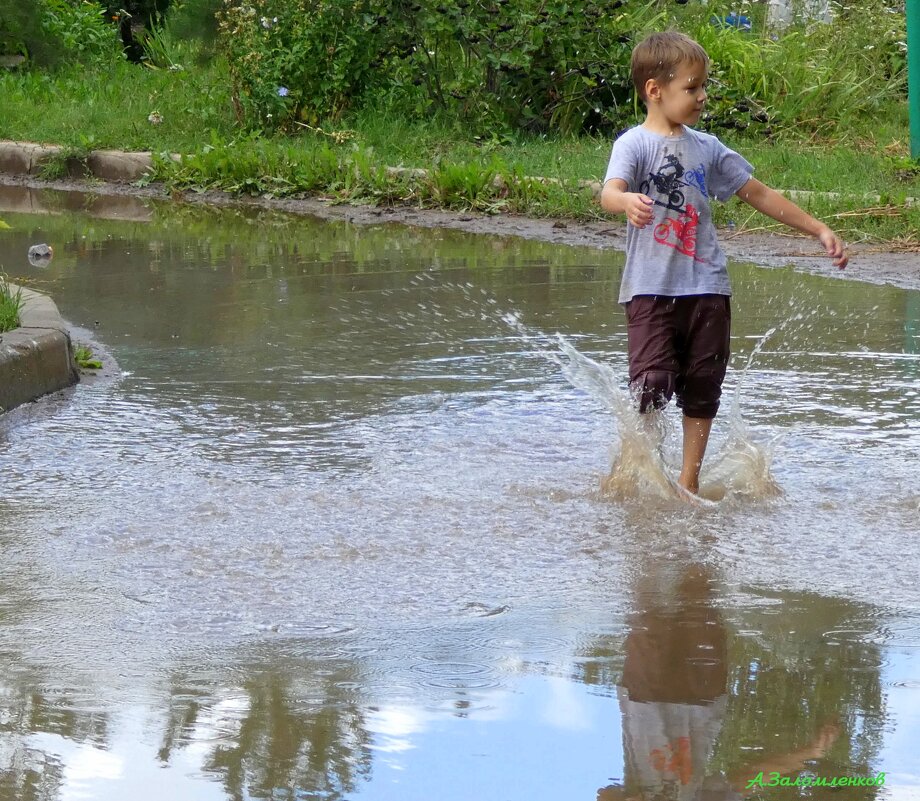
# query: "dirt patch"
{"points": [[872, 263]]}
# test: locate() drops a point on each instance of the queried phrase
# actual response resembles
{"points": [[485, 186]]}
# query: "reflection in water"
{"points": [[697, 715], [327, 432], [280, 732]]}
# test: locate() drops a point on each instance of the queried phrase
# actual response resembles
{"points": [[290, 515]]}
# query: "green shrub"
{"points": [[299, 60], [82, 30], [808, 77], [534, 64], [496, 63], [54, 31], [194, 19], [10, 306]]}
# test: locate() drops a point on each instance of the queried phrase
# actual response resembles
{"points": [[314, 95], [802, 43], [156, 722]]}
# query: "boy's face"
{"points": [[682, 98]]}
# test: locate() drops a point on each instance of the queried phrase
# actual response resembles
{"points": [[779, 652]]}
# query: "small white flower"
{"points": [[155, 118]]}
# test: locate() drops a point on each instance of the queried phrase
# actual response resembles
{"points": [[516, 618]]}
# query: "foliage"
{"points": [[534, 64], [809, 77], [540, 65], [194, 19], [53, 31], [514, 63], [81, 28], [10, 305], [85, 358], [143, 11], [298, 60], [21, 33]]}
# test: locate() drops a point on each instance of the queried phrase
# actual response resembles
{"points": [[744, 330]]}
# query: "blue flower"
{"points": [[282, 91]]}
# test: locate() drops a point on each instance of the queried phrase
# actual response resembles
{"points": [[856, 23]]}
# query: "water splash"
{"points": [[740, 467], [639, 467]]}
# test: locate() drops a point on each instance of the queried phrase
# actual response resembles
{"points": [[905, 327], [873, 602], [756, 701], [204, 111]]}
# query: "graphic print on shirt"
{"points": [[669, 181]]}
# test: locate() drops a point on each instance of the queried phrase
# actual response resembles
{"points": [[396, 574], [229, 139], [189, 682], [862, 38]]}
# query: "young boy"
{"points": [[675, 287]]}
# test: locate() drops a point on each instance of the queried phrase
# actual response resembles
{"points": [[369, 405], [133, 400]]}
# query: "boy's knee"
{"points": [[653, 389]]}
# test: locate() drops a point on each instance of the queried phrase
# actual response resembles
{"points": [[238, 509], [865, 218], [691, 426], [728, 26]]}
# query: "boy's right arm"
{"points": [[616, 200]]}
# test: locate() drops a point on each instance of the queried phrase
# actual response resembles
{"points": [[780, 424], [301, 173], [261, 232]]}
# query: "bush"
{"points": [[194, 19], [506, 63], [534, 64], [299, 59], [82, 30], [54, 31]]}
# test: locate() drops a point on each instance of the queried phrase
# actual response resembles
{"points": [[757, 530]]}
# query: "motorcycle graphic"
{"points": [[667, 181], [683, 228]]}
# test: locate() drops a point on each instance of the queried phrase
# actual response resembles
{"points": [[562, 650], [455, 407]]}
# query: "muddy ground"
{"points": [[873, 263]]}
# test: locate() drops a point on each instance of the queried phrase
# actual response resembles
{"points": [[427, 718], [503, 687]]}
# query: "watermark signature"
{"points": [[775, 779]]}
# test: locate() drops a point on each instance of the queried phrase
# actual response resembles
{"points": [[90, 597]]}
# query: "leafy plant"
{"points": [[85, 358], [11, 303], [69, 161], [81, 29], [299, 60], [808, 77]]}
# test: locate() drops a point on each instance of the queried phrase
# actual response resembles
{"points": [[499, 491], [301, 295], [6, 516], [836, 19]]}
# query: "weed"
{"points": [[85, 359], [11, 303]]}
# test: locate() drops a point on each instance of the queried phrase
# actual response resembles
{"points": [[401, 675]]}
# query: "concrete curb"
{"points": [[36, 358], [28, 158]]}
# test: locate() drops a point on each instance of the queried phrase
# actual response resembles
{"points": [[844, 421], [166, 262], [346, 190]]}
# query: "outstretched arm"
{"points": [[773, 204]]}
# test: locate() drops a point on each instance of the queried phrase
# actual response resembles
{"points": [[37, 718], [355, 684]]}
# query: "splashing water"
{"points": [[740, 467]]}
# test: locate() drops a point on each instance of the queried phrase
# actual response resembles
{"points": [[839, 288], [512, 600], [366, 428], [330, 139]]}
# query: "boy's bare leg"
{"points": [[696, 437]]}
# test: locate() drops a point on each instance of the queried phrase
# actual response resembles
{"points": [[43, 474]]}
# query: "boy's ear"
{"points": [[652, 90]]}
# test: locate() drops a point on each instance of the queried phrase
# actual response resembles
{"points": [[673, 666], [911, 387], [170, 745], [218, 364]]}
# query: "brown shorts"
{"points": [[678, 346]]}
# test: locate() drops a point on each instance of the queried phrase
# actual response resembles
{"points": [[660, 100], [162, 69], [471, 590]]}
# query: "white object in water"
{"points": [[40, 255]]}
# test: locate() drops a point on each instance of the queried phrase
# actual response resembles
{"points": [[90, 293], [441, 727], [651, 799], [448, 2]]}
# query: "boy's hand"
{"points": [[834, 247], [639, 209]]}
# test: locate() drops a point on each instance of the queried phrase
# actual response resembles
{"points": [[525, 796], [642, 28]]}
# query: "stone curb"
{"points": [[27, 158], [36, 358]]}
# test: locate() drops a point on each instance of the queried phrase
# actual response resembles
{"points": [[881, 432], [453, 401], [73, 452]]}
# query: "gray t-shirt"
{"points": [[677, 253]]}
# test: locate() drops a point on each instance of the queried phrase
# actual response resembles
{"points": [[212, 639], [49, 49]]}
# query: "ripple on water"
{"points": [[456, 675]]}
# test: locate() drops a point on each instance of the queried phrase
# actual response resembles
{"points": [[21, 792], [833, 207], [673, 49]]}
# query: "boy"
{"points": [[675, 287]]}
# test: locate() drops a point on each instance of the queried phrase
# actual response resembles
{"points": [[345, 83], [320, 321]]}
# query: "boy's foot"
{"points": [[693, 498]]}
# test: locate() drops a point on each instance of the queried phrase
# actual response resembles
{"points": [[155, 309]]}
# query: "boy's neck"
{"points": [[657, 123]]}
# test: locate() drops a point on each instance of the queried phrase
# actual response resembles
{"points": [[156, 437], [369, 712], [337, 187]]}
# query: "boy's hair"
{"points": [[658, 55]]}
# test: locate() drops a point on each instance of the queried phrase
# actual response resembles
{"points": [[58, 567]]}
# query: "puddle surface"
{"points": [[336, 531]]}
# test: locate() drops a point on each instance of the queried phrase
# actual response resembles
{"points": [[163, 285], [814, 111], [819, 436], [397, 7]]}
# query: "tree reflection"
{"points": [[282, 734], [26, 773]]}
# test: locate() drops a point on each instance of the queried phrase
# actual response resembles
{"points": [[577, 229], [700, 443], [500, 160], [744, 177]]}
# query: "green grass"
{"points": [[10, 306], [85, 109], [110, 108]]}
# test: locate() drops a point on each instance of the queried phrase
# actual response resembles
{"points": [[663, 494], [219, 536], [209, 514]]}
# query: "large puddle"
{"points": [[336, 531]]}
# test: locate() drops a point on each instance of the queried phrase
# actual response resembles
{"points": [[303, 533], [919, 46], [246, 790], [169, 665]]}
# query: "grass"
{"points": [[344, 161], [10, 306], [112, 106], [85, 358]]}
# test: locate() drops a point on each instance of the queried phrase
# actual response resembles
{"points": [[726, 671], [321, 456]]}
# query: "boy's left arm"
{"points": [[773, 204]]}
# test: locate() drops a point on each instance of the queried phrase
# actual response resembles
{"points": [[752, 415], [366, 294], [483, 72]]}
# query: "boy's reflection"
{"points": [[673, 698]]}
